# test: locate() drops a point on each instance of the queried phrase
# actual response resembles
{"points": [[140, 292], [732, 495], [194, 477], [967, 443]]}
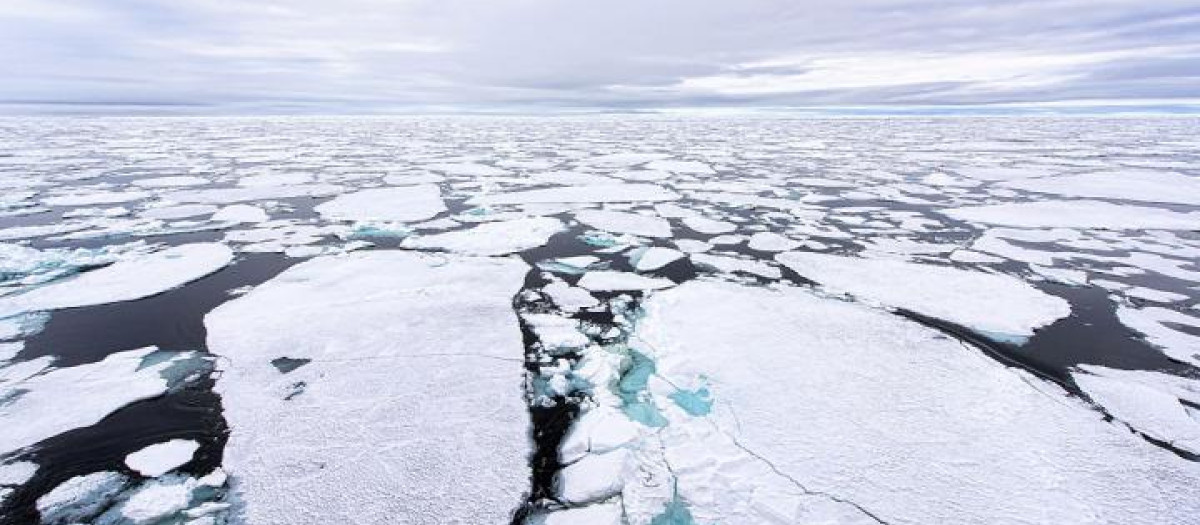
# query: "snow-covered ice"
{"points": [[399, 204], [491, 238], [62, 399], [125, 280], [580, 194], [1076, 214], [623, 222], [411, 409], [160, 458], [853, 403], [610, 281], [996, 305], [1137, 185]]}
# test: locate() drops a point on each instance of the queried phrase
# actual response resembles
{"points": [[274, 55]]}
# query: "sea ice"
{"points": [[579, 194], [609, 281], [569, 298], [624, 222], [1151, 402], [1151, 322], [125, 280], [80, 498], [385, 330], [771, 242], [1076, 214], [992, 304], [653, 258], [399, 204], [160, 458], [62, 399], [709, 226], [17, 473], [241, 214], [847, 402], [1136, 185], [491, 238]]}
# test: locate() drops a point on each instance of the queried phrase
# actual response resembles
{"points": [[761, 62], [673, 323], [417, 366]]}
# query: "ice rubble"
{"points": [[942, 435], [624, 222], [125, 280], [579, 194], [1137, 185], [107, 498], [61, 399], [383, 330], [160, 458], [996, 305], [400, 204], [491, 238], [1150, 402], [1076, 214]]}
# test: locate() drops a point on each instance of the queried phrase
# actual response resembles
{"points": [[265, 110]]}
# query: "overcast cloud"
{"points": [[375, 55]]}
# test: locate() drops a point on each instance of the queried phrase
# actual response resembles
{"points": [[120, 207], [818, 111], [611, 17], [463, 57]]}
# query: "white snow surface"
{"points": [[398, 204], [491, 238], [990, 303], [1150, 402], [857, 404], [413, 408], [126, 280], [160, 458]]}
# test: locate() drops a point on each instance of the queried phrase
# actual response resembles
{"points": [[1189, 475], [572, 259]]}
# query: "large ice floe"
{"points": [[1138, 185], [824, 411], [125, 280], [1077, 214], [400, 204], [406, 405], [996, 305], [491, 238]]}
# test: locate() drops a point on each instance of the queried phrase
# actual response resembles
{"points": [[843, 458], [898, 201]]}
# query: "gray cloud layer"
{"points": [[624, 54]]}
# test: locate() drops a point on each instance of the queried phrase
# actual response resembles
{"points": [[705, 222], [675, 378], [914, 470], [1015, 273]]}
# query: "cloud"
{"points": [[364, 55]]}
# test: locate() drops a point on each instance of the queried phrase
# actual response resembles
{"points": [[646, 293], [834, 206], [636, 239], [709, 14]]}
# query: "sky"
{"points": [[305, 56]]}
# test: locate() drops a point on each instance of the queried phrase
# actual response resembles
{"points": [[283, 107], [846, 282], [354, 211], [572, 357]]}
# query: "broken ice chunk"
{"points": [[709, 226], [158, 459], [569, 298], [557, 334], [593, 193], [492, 238], [17, 472], [80, 498], [653, 258], [608, 513], [624, 222], [771, 242], [595, 477], [240, 214], [610, 281]]}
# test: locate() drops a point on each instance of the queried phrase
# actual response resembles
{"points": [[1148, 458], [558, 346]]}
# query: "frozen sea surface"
{"points": [[603, 319]]}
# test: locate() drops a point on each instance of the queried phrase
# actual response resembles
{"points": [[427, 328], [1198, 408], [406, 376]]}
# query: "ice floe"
{"points": [[400, 204], [653, 258], [610, 281], [624, 222], [383, 330], [61, 399], [160, 458], [1076, 214], [1137, 185], [126, 280], [491, 238], [839, 403], [1150, 402], [996, 305], [580, 194]]}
